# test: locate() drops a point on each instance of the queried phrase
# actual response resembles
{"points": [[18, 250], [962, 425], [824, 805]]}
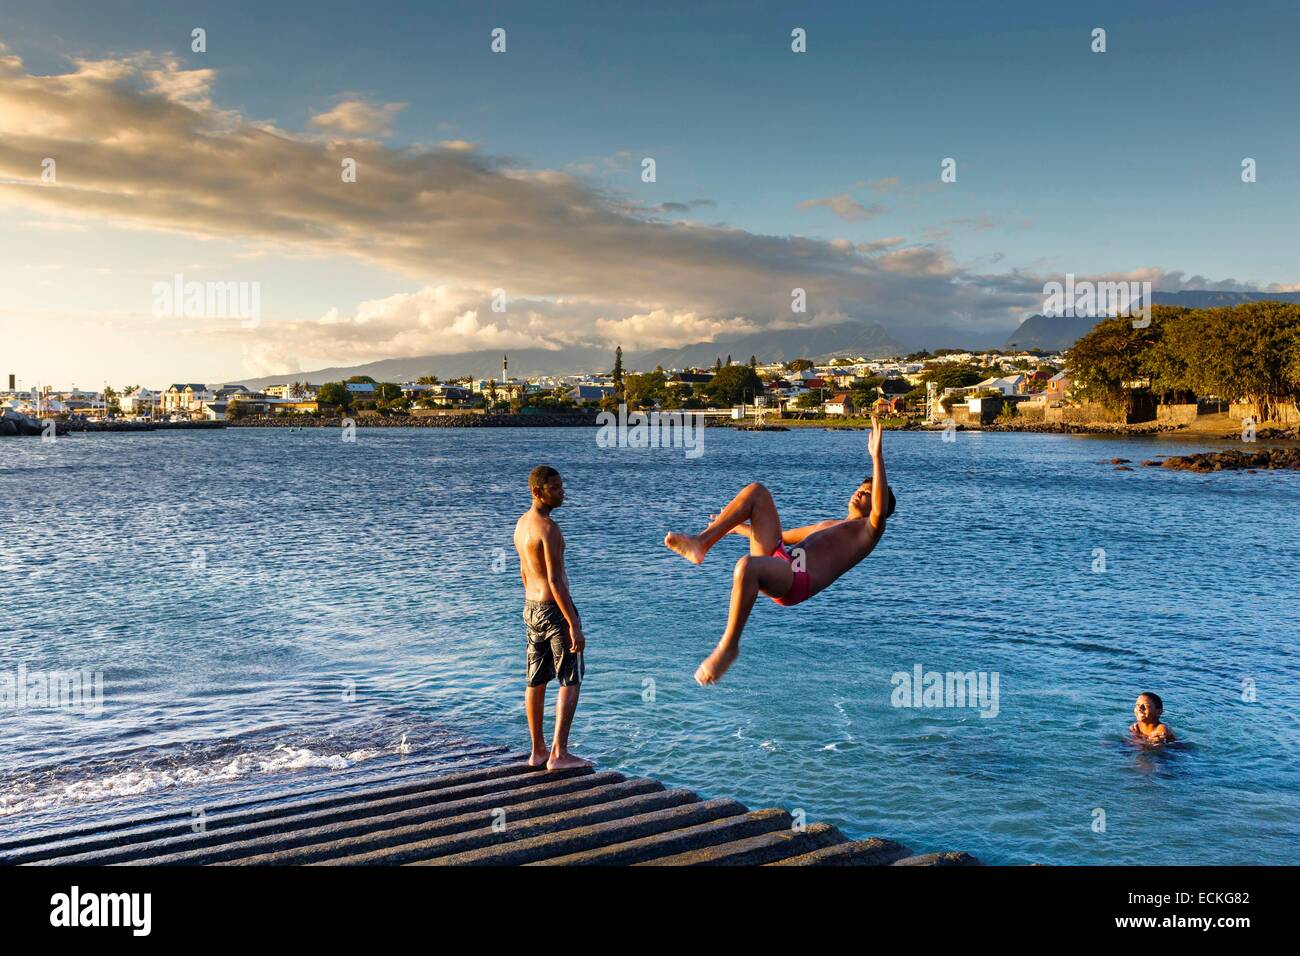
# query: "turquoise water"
{"points": [[265, 604]]}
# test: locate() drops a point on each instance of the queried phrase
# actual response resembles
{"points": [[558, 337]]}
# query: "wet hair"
{"points": [[540, 475], [1155, 699], [893, 502]]}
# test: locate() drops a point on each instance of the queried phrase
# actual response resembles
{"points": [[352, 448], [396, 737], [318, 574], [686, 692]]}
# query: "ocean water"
{"points": [[271, 607]]}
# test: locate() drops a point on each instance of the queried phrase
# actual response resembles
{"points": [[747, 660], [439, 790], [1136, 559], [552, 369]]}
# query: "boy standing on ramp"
{"points": [[555, 641]]}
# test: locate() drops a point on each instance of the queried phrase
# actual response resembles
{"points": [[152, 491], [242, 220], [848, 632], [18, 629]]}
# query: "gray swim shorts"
{"points": [[548, 646]]}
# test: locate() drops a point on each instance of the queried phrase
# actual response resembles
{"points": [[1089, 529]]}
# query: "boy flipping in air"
{"points": [[788, 575]]}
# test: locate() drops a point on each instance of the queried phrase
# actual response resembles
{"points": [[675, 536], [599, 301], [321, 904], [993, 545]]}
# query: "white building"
{"points": [[1007, 384], [140, 401]]}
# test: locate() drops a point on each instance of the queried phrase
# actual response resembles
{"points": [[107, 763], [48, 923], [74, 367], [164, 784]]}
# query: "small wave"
{"points": [[36, 796]]}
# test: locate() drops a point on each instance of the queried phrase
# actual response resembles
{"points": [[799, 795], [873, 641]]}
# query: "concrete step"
{"points": [[495, 810], [765, 848], [960, 858], [577, 839], [406, 840], [355, 803], [348, 780], [870, 852], [214, 818], [486, 835], [723, 830], [306, 829]]}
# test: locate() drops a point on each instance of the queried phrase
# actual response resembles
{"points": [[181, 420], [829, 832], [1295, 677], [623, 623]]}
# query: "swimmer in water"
{"points": [[1147, 710]]}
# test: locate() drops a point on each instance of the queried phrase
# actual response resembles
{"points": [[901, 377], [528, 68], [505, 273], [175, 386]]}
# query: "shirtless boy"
{"points": [[789, 576], [555, 641], [1147, 710]]}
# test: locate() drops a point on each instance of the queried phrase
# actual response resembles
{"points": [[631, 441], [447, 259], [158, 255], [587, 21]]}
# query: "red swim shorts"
{"points": [[799, 591]]}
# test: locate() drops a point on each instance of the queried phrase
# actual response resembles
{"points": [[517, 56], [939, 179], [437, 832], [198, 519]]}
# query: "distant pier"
{"points": [[505, 814]]}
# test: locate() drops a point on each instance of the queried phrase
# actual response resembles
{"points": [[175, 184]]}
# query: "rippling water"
{"points": [[268, 606]]}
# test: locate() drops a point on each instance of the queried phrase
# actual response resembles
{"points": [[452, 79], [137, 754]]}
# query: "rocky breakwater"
{"points": [[1082, 428], [14, 423], [421, 421], [1264, 459]]}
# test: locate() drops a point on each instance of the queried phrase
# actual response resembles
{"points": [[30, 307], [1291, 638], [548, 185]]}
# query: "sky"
{"points": [[515, 179]]}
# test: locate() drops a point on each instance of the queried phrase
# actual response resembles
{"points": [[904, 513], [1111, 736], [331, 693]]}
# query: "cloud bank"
{"points": [[140, 140]]}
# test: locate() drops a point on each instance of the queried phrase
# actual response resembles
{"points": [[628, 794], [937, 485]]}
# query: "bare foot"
{"points": [[716, 664], [687, 545], [538, 758], [565, 761]]}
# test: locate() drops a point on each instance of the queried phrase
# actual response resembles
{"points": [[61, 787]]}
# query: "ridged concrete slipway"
{"points": [[505, 813]]}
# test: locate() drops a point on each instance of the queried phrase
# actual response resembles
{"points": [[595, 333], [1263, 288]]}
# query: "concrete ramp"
{"points": [[503, 814]]}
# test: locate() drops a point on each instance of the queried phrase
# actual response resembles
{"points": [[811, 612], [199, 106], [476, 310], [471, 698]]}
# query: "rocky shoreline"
{"points": [[422, 421], [1075, 428], [1266, 459]]}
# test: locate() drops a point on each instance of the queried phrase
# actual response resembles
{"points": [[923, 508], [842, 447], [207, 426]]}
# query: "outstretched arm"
{"points": [[879, 483]]}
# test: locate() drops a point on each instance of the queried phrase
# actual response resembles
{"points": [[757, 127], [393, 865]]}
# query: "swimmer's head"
{"points": [[1148, 708], [860, 503], [547, 486]]}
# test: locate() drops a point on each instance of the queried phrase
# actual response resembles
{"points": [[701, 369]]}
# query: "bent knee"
{"points": [[757, 488], [744, 568]]}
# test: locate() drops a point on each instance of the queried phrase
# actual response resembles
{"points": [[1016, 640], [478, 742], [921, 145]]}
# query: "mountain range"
{"points": [[782, 345], [1054, 333], [1048, 333]]}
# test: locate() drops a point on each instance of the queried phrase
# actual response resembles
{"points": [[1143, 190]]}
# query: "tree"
{"points": [[753, 361], [1250, 352], [360, 380], [953, 375], [617, 374], [428, 380], [799, 364], [717, 364], [650, 388], [1108, 361], [865, 391], [387, 392], [336, 394], [733, 385]]}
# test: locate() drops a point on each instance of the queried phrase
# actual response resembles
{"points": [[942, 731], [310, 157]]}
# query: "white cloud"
{"points": [[354, 117], [844, 206]]}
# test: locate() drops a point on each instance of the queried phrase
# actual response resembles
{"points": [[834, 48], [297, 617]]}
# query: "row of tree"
{"points": [[1248, 352]]}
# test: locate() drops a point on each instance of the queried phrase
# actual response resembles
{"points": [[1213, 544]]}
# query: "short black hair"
{"points": [[1155, 699], [540, 475], [893, 502]]}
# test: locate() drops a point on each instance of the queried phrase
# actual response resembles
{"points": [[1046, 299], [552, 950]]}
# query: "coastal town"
{"points": [[955, 384], [1181, 368]]}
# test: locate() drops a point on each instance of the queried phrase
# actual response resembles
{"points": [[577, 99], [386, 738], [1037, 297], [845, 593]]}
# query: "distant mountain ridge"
{"points": [[1054, 333], [1048, 333], [782, 345]]}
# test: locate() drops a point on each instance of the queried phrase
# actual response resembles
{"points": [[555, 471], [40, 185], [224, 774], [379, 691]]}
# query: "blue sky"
{"points": [[1068, 161]]}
